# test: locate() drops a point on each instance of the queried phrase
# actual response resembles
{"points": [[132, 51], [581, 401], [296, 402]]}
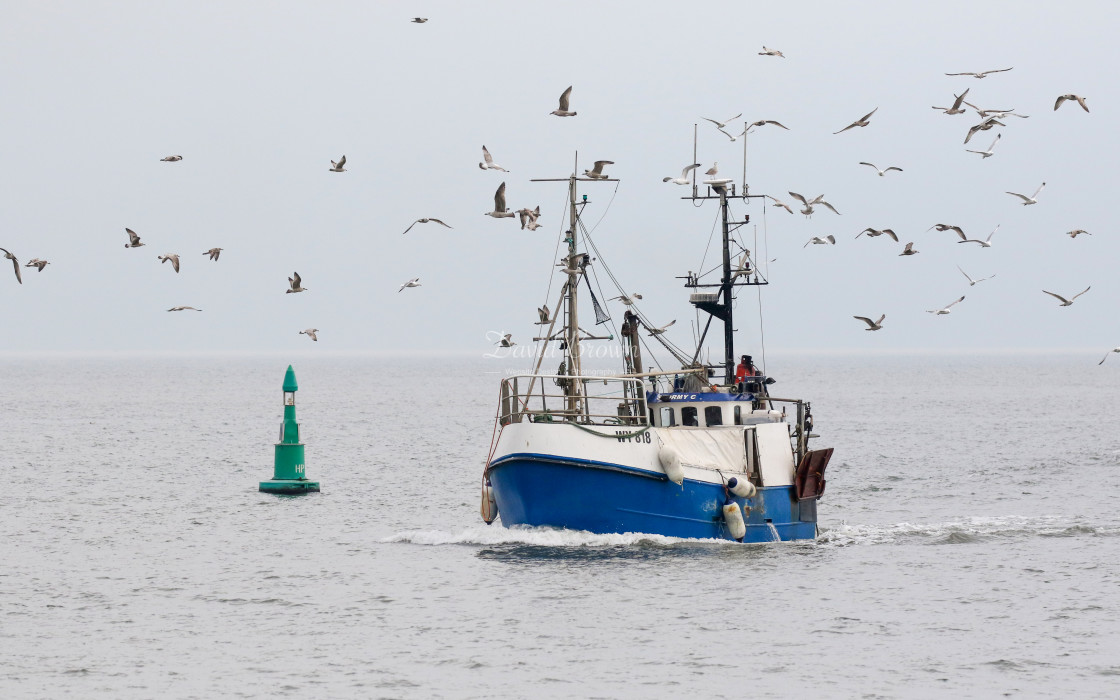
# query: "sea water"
{"points": [[969, 542]]}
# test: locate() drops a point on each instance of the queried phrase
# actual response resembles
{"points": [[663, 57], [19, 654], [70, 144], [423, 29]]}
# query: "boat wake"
{"points": [[541, 537], [964, 531]]}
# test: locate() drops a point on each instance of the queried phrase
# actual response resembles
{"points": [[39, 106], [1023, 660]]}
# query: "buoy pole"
{"points": [[289, 472]]}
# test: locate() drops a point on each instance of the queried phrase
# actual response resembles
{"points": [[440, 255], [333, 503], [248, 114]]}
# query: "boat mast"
{"points": [[725, 289]]}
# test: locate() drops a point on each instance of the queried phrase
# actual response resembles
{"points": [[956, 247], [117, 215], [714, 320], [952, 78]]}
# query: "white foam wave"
{"points": [[960, 530], [540, 536]]}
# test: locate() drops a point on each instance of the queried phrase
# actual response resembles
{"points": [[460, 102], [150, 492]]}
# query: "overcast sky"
{"points": [[258, 98]]}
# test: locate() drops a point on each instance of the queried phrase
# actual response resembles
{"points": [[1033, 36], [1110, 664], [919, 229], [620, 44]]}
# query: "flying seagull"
{"points": [[808, 210], [764, 122], [873, 232], [133, 239], [416, 20], [683, 179], [423, 221], [183, 308], [1107, 354], [500, 210], [862, 121], [986, 243], [294, 282], [972, 282], [884, 171], [779, 203], [1033, 199], [36, 262], [1072, 234], [597, 172], [310, 333], [724, 123], [956, 108], [529, 217], [488, 162], [982, 126], [662, 329], [337, 167], [214, 253], [983, 74], [506, 341], [909, 250], [15, 264], [987, 153], [171, 159], [627, 299], [414, 282], [998, 113], [947, 310], [817, 240], [871, 325], [770, 52], [947, 227], [173, 258], [544, 315], [1066, 302], [1076, 98], [565, 97]]}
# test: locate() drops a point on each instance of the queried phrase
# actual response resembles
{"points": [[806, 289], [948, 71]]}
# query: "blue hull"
{"points": [[536, 489]]}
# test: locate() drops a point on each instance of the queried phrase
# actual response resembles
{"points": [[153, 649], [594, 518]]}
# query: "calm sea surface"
{"points": [[970, 542]]}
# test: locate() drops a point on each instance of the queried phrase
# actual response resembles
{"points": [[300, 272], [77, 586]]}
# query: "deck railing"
{"points": [[542, 398]]}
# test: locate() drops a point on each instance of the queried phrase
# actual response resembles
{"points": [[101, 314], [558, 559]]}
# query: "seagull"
{"points": [[416, 20], [956, 108], [883, 171], [310, 333], [506, 341], [544, 315], [564, 99], [972, 282], [808, 210], [489, 163], [986, 243], [817, 240], [171, 159], [983, 74], [662, 329], [1033, 199], [627, 299], [712, 171], [337, 167], [173, 258], [770, 52], [500, 210], [1076, 98], [947, 310], [36, 262], [15, 264], [947, 227], [683, 179], [1106, 355], [987, 153], [871, 325], [183, 308], [983, 126], [133, 239], [423, 221], [862, 121], [729, 136], [414, 282], [763, 122], [1074, 233], [909, 250], [744, 267], [779, 203], [529, 217], [873, 232], [294, 281], [722, 124], [998, 113], [597, 172], [1066, 302], [214, 253]]}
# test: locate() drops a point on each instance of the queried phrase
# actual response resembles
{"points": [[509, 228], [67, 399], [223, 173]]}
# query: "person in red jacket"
{"points": [[746, 369]]}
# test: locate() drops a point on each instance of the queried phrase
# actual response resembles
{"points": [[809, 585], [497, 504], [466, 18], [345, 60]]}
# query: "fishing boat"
{"points": [[703, 450]]}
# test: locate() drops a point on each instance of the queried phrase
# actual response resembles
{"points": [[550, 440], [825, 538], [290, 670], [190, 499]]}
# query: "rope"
{"points": [[617, 436]]}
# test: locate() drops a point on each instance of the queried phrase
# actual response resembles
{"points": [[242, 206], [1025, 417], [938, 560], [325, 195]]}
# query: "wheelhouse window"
{"points": [[668, 418], [688, 416], [713, 415]]}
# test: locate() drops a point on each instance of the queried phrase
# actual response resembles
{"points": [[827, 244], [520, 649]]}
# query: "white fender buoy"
{"points": [[733, 517], [671, 463], [741, 487], [489, 509]]}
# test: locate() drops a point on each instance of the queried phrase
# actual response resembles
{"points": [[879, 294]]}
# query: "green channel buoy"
{"points": [[289, 474]]}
